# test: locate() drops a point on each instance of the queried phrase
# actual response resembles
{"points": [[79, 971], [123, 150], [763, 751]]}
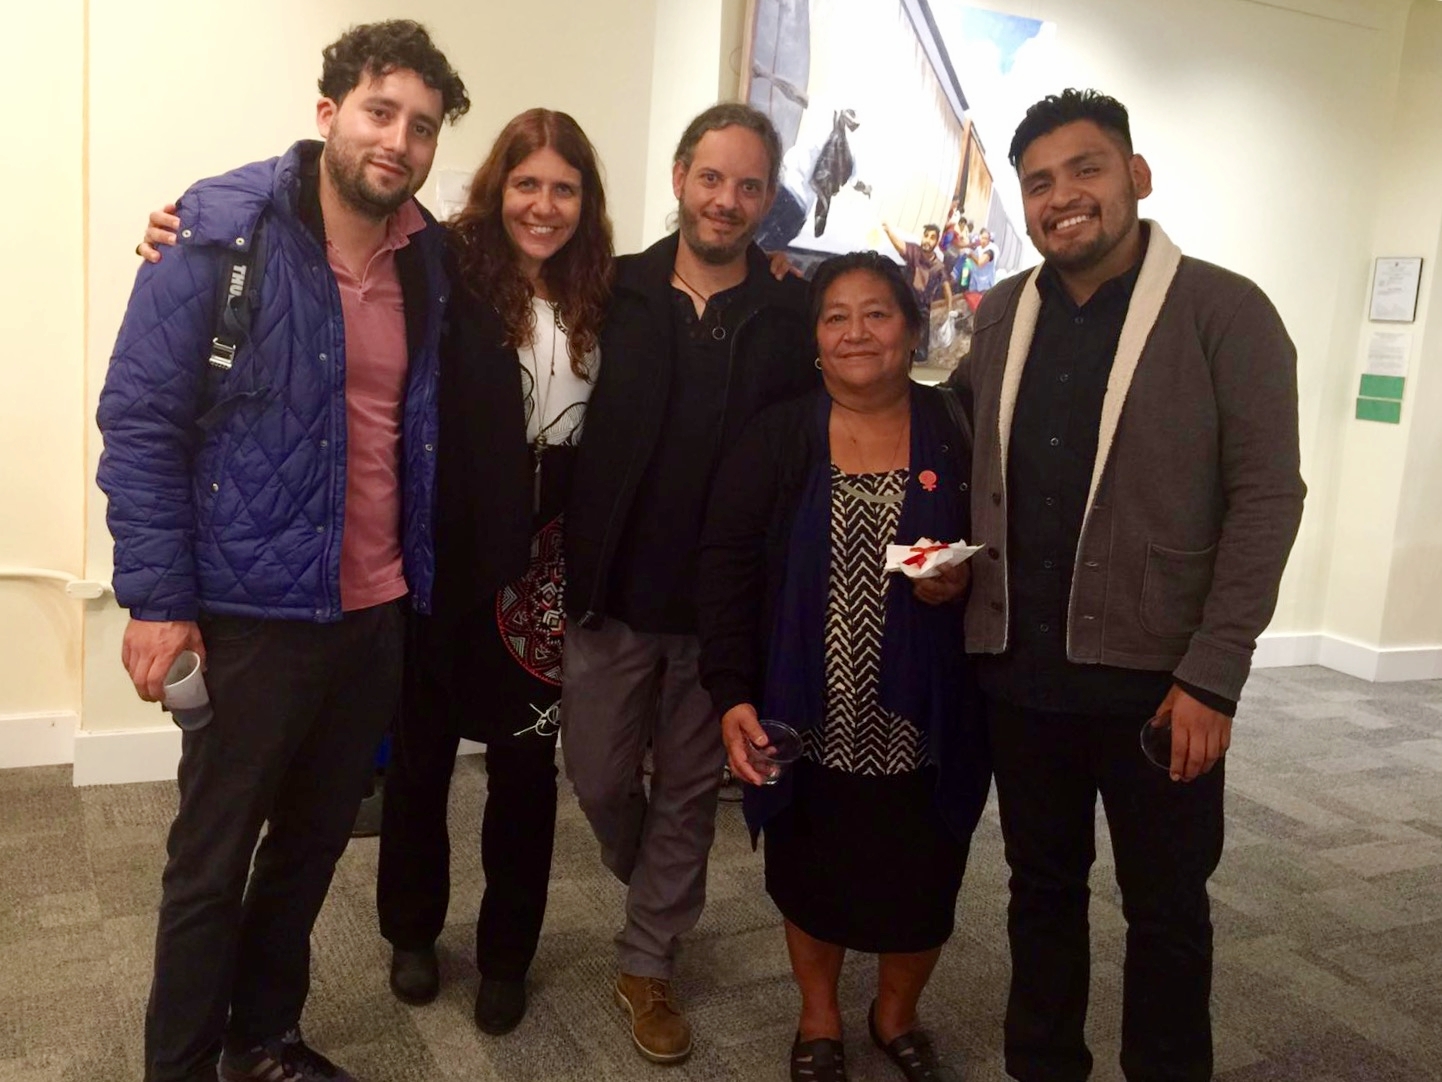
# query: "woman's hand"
{"points": [[739, 727], [160, 230], [949, 584]]}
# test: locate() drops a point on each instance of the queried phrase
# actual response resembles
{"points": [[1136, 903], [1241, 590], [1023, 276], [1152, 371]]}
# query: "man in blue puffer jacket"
{"points": [[273, 515]]}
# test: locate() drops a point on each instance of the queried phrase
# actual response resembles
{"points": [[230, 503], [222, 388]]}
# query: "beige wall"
{"points": [[42, 390], [1265, 159], [1408, 461]]}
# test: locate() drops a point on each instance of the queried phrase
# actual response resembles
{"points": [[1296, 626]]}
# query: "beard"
{"points": [[1100, 246], [345, 165], [715, 254]]}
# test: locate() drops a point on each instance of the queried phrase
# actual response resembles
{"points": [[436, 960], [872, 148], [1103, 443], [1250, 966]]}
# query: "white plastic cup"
{"points": [[185, 694]]}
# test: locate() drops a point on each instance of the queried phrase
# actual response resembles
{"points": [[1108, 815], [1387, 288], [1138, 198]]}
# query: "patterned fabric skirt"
{"points": [[508, 667], [865, 861]]}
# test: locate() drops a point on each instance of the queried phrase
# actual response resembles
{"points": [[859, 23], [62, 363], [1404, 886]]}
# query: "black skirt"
{"points": [[865, 861], [500, 663]]}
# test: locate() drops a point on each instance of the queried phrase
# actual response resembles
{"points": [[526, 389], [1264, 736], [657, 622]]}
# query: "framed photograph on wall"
{"points": [[1396, 281]]}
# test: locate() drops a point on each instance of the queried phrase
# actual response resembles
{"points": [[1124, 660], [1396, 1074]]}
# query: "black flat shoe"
{"points": [[500, 1005], [415, 975], [913, 1054], [818, 1060]]}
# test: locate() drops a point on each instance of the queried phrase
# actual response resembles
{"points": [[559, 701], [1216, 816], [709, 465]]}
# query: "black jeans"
{"points": [[299, 711], [1166, 841], [518, 830]]}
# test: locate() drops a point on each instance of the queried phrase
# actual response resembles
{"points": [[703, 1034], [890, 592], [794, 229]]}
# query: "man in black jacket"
{"points": [[700, 337]]}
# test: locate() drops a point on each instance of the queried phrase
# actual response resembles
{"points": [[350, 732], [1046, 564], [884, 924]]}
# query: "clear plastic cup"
{"points": [[772, 759], [1157, 741]]}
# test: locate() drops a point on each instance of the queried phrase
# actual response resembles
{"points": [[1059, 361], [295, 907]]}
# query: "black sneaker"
{"points": [[286, 1058]]}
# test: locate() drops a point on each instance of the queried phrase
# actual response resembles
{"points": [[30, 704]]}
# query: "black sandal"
{"points": [[912, 1053], [820, 1060]]}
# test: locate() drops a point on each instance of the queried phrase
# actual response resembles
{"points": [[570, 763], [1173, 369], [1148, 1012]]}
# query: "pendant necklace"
{"points": [[702, 297], [543, 405]]}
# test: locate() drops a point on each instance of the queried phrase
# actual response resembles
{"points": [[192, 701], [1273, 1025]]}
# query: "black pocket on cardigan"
{"points": [[1174, 590]]}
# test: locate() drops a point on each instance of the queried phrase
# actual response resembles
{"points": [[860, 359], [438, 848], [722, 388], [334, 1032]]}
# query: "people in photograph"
{"points": [[270, 471], [1136, 484], [867, 834], [699, 337], [982, 255], [926, 274]]}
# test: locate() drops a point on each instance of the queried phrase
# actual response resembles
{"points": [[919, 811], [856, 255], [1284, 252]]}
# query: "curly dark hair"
{"points": [[578, 276], [374, 50], [1054, 110], [873, 263]]}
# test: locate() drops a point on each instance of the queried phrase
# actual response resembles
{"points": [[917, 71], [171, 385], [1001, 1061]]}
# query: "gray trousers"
{"points": [[621, 690]]}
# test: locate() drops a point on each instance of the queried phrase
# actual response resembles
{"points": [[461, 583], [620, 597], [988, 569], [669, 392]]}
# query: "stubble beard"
{"points": [[717, 255], [346, 169], [1105, 243]]}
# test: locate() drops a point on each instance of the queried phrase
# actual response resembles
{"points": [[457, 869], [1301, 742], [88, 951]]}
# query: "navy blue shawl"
{"points": [[924, 673]]}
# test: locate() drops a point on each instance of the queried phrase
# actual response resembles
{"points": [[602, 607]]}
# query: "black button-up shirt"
{"points": [[1053, 449], [654, 579]]}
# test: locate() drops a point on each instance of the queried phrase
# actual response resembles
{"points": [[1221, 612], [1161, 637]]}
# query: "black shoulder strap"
{"points": [[957, 408], [239, 300]]}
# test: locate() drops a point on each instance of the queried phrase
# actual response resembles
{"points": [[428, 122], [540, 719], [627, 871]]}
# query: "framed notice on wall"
{"points": [[1395, 282]]}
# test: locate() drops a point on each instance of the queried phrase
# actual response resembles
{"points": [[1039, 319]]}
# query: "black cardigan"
{"points": [[483, 462], [748, 531]]}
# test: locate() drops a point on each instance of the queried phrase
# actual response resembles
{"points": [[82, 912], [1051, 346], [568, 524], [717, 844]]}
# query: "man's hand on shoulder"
{"points": [[150, 647], [781, 266], [160, 230], [1200, 735]]}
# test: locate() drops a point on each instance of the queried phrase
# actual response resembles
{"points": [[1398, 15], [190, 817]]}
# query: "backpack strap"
{"points": [[239, 300], [958, 409]]}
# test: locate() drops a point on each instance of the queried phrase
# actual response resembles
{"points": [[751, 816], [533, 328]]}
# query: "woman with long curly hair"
{"points": [[532, 262]]}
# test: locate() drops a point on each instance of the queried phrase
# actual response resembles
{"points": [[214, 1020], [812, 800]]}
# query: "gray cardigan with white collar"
{"points": [[1196, 493]]}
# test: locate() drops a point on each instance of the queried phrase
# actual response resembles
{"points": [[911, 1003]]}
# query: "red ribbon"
{"points": [[921, 554]]}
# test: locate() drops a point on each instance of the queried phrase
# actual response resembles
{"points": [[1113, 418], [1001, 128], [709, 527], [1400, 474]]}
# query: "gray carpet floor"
{"points": [[1328, 907]]}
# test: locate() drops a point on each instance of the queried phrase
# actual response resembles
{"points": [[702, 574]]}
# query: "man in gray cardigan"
{"points": [[1136, 486]]}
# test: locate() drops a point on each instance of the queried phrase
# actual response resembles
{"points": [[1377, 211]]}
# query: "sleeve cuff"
{"points": [[1210, 699]]}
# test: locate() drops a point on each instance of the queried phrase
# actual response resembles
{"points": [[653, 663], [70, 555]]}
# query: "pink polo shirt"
{"points": [[376, 360]]}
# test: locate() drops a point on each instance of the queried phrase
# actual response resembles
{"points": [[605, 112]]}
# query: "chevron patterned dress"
{"points": [[859, 736], [861, 857]]}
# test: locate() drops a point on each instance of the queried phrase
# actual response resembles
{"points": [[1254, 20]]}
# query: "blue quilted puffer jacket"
{"points": [[227, 494]]}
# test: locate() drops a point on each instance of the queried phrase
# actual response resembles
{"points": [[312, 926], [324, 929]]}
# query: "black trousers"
{"points": [[299, 711], [1166, 840], [518, 827]]}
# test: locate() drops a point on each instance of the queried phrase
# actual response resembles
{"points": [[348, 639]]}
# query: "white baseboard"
{"points": [[1383, 665], [37, 739], [113, 756], [1285, 651]]}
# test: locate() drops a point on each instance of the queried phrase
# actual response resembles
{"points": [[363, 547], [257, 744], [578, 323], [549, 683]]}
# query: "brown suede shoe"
{"points": [[658, 1027]]}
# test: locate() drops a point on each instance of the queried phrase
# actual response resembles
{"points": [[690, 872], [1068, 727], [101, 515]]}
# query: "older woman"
{"points": [[867, 835]]}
